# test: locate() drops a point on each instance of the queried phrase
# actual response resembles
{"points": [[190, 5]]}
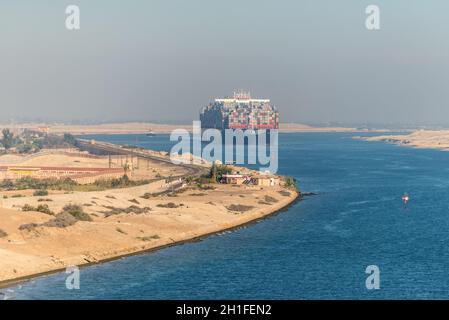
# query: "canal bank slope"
{"points": [[124, 222]]}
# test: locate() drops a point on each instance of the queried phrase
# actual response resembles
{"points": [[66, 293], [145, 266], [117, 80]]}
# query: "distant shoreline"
{"points": [[422, 139], [143, 128]]}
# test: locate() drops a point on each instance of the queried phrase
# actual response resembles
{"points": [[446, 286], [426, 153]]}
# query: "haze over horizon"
{"points": [[163, 60]]}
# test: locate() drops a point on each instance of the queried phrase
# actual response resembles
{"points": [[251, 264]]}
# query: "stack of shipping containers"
{"points": [[240, 113]]}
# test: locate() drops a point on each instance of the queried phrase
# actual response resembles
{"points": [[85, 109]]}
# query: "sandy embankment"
{"points": [[435, 139], [199, 212], [194, 212]]}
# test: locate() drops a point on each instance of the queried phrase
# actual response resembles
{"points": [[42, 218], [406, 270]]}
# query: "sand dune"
{"points": [[436, 139]]}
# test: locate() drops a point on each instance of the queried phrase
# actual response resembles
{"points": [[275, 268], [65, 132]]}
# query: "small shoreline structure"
{"points": [[48, 224]]}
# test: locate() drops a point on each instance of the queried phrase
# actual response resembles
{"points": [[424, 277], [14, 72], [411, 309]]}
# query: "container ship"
{"points": [[240, 112]]}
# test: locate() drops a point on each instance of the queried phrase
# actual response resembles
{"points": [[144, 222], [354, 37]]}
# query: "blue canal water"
{"points": [[318, 249]]}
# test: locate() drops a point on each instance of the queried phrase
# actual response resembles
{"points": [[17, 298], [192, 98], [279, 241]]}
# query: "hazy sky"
{"points": [[164, 59]]}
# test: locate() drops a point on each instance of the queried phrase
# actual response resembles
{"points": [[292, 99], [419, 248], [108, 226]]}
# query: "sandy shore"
{"points": [[434, 139], [124, 221], [27, 253], [45, 249]]}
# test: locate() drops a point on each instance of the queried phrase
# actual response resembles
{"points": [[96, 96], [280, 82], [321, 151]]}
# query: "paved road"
{"points": [[110, 148]]}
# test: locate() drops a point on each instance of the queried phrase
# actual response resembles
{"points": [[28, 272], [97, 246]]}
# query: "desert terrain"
{"points": [[84, 227], [435, 139]]}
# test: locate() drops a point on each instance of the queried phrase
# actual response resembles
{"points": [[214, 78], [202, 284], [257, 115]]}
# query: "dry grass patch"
{"points": [[169, 205], [61, 220], [270, 199], [77, 212], [43, 208], [130, 209], [120, 230], [239, 208], [28, 226], [40, 193], [149, 238], [284, 193]]}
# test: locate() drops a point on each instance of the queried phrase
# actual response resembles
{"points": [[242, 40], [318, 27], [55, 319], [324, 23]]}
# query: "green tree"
{"points": [[217, 171], [126, 168], [289, 182], [7, 139], [25, 148], [69, 139], [213, 172]]}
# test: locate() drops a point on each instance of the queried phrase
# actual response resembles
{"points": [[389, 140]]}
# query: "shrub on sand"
{"points": [[77, 212]]}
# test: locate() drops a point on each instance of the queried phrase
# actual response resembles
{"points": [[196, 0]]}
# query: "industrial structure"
{"points": [[240, 112]]}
